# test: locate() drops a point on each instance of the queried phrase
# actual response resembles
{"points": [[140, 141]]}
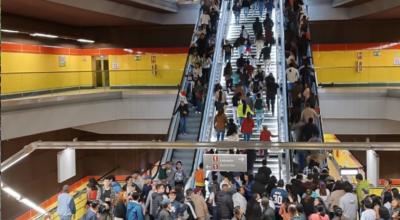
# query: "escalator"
{"points": [[190, 158]]}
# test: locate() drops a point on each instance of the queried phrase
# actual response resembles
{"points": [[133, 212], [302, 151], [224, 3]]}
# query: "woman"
{"points": [[228, 75], [323, 192], [220, 99], [247, 127], [120, 207], [232, 131], [253, 209], [242, 111], [183, 110], [320, 215], [396, 208], [248, 182], [179, 175], [198, 91], [220, 123], [93, 190]]}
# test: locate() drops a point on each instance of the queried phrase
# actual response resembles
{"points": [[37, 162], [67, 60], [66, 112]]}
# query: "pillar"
{"points": [[372, 167]]}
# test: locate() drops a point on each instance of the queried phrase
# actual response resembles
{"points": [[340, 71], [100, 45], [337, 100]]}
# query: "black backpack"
{"points": [[258, 104]]}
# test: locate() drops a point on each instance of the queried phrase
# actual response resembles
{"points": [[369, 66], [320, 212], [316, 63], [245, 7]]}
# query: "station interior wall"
{"points": [[32, 68], [337, 63]]}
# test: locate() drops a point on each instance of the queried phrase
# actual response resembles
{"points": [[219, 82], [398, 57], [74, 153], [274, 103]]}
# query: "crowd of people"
{"points": [[312, 195]]}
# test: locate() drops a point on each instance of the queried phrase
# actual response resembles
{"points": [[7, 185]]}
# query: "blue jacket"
{"points": [[134, 211], [116, 187]]}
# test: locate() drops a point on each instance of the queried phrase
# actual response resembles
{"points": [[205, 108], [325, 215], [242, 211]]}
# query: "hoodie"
{"points": [[134, 211]]}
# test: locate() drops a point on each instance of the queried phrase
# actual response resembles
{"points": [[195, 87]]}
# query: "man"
{"points": [[165, 212], [65, 204], [266, 55], [310, 130], [361, 188], [239, 200], [134, 208], [268, 212], [292, 74], [107, 197], [308, 113], [278, 195], [224, 203], [91, 213], [177, 208], [257, 27], [240, 62], [369, 212], [137, 180], [266, 171], [200, 205], [272, 90], [156, 198], [348, 202], [115, 185]]}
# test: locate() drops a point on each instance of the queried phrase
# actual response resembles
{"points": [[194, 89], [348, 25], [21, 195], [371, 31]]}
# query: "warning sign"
{"points": [[225, 162]]}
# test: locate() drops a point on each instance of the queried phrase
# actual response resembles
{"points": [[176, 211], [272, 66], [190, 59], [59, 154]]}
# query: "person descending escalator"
{"points": [[183, 110], [257, 27], [266, 56], [272, 90]]}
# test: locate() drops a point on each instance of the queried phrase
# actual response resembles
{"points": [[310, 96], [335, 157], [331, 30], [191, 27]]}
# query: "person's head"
{"points": [[241, 190], [106, 182], [321, 210], [231, 121], [264, 162], [135, 175], [128, 179], [165, 203], [387, 183], [395, 193], [135, 196], [387, 197], [338, 211], [94, 205], [368, 203], [172, 195], [178, 165], [265, 202], [292, 210], [160, 188], [256, 197], [384, 213], [201, 166], [225, 187], [281, 183], [257, 19], [359, 177], [65, 189], [259, 95], [182, 103], [248, 115], [189, 192], [396, 203], [242, 27], [347, 187]]}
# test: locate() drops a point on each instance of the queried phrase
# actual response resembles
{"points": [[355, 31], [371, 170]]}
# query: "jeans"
{"points": [[66, 217], [220, 135], [240, 121], [242, 48], [182, 125], [259, 119], [246, 11], [261, 6], [246, 137], [271, 104]]}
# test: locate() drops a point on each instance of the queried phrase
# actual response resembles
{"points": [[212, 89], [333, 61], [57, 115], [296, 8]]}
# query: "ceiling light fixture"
{"points": [[9, 31], [85, 41], [44, 35], [31, 204], [12, 193], [128, 50]]}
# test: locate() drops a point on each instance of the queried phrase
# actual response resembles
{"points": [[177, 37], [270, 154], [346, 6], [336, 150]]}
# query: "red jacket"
{"points": [[247, 126], [265, 136]]}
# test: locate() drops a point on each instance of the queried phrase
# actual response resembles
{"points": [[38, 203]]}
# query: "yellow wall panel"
{"points": [[340, 67]]}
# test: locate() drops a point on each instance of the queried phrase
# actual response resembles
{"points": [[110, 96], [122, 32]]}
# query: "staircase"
{"points": [[273, 158]]}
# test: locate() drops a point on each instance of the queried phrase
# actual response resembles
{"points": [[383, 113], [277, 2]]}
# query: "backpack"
{"points": [[92, 194], [258, 104]]}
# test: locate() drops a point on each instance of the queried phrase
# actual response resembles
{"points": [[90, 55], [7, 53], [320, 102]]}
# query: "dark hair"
{"points": [[135, 196], [359, 176], [127, 178], [281, 183], [395, 192], [347, 187], [264, 162], [94, 204], [201, 165], [321, 209], [368, 203], [384, 213], [189, 192], [110, 177], [158, 186], [387, 197]]}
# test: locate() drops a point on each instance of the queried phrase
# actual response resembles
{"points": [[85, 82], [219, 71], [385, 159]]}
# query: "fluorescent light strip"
{"points": [[44, 35], [128, 50], [5, 167], [85, 41], [12, 193], [33, 205], [9, 31]]}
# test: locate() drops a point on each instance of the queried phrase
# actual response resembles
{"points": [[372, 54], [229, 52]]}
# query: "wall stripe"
{"points": [[364, 46], [28, 48]]}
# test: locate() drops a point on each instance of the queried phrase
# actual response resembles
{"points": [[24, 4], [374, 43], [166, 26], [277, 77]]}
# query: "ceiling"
{"points": [[59, 13], [393, 13]]}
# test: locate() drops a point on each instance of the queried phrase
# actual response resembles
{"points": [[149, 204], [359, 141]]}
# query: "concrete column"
{"points": [[372, 167]]}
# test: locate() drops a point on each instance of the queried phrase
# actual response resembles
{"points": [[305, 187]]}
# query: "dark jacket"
{"points": [[253, 210], [266, 53], [164, 215], [183, 110], [257, 28], [120, 210], [260, 183], [268, 214], [90, 215], [309, 130], [225, 204], [156, 202]]}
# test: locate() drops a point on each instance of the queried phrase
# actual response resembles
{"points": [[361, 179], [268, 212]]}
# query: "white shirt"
{"points": [[368, 214], [349, 204], [205, 19], [292, 74], [239, 200]]}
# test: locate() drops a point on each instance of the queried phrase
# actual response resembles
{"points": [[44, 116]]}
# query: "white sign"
{"points": [[66, 164], [397, 61], [225, 162]]}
